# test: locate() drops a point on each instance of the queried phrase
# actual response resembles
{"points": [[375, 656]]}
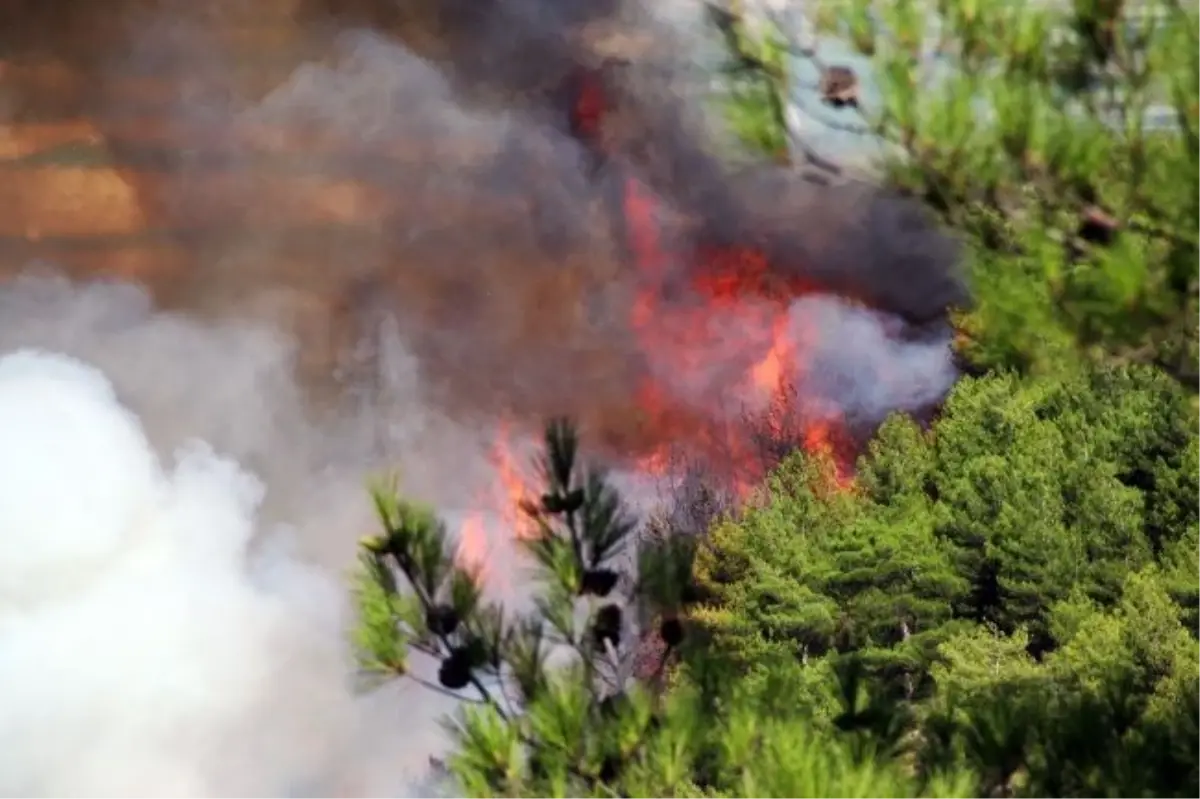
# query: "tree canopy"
{"points": [[1059, 138], [978, 565], [1005, 603]]}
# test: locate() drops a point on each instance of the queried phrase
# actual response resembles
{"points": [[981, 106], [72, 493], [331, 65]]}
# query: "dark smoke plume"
{"points": [[416, 160]]}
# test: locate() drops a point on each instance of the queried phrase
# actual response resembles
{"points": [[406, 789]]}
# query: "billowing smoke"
{"points": [[865, 372], [172, 623], [306, 241], [142, 650], [322, 164]]}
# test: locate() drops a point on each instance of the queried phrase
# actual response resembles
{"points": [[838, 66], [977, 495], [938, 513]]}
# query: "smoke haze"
{"points": [[125, 595], [283, 274], [363, 171], [171, 624]]}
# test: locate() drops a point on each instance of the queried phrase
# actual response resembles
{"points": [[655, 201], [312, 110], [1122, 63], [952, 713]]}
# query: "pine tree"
{"points": [[549, 704], [1060, 139], [982, 574]]}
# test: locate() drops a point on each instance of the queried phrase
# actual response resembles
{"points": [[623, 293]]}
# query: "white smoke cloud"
{"points": [[174, 623], [143, 649], [858, 365]]}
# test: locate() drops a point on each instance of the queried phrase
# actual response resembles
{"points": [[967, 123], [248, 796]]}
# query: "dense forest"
{"points": [[1005, 600]]}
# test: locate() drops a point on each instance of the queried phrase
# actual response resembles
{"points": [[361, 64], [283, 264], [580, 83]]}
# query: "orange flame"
{"points": [[513, 485], [471, 552], [764, 360]]}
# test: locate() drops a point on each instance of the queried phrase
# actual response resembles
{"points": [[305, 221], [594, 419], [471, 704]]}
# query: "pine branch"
{"points": [[581, 525]]}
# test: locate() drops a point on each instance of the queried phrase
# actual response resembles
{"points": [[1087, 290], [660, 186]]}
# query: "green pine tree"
{"points": [[980, 557], [550, 707], [1059, 138]]}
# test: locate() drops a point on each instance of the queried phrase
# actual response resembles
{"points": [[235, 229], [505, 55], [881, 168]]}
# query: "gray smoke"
{"points": [[420, 164], [171, 597]]}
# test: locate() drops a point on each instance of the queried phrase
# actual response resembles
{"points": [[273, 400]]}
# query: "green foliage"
{"points": [[756, 83], [1027, 126], [992, 586], [1000, 605], [1112, 712], [554, 711], [379, 637]]}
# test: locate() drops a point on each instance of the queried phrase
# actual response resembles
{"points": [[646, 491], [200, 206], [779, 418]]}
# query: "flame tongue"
{"points": [[513, 487], [727, 351], [725, 358], [723, 345]]}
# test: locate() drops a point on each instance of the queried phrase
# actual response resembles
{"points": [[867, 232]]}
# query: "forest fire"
{"points": [[727, 334], [736, 339], [291, 244], [724, 383], [549, 235]]}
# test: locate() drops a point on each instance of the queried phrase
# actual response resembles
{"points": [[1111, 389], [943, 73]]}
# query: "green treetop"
{"points": [[1040, 536], [549, 703], [1059, 138]]}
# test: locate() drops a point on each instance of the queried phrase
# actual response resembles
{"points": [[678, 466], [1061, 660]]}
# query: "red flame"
{"points": [[736, 315], [732, 336]]}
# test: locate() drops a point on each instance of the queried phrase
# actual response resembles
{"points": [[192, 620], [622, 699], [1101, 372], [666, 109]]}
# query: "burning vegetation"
{"points": [[365, 235], [723, 358]]}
